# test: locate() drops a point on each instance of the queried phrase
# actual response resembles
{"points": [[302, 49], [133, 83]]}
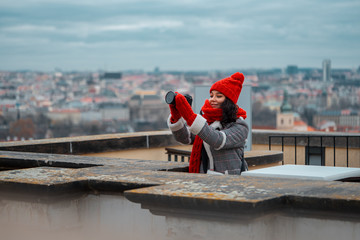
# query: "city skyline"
{"points": [[177, 35]]}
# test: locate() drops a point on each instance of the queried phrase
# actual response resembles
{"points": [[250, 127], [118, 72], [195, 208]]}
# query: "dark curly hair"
{"points": [[230, 110]]}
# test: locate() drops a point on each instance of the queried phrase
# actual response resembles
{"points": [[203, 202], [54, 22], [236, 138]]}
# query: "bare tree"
{"points": [[23, 128]]}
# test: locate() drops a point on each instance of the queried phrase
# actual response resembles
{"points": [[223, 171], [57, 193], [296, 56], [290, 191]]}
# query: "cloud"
{"points": [[211, 23], [85, 28], [29, 28], [140, 26], [180, 32]]}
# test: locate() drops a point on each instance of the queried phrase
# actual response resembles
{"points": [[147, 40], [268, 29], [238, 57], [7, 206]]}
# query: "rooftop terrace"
{"points": [[49, 171]]}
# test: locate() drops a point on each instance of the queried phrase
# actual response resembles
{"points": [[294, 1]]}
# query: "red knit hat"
{"points": [[230, 86]]}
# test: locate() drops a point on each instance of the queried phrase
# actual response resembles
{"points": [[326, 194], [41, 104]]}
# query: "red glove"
{"points": [[175, 115], [184, 109]]}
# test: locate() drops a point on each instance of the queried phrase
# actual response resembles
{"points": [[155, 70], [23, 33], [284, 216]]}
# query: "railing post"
{"points": [[347, 151], [308, 151], [321, 151], [269, 143], [334, 151], [295, 151], [282, 148]]}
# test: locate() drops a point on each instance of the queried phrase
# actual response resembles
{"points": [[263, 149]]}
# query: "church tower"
{"points": [[285, 118]]}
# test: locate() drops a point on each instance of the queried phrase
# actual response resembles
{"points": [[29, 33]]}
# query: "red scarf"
{"points": [[211, 115]]}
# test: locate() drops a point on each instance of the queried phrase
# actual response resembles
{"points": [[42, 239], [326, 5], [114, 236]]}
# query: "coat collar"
{"points": [[216, 125]]}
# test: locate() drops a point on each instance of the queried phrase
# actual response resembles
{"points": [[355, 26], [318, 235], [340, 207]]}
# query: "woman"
{"points": [[218, 135]]}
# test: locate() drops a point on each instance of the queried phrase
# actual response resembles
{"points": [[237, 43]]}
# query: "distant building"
{"points": [[114, 111], [285, 118], [65, 115], [148, 111], [111, 77], [326, 65], [327, 126], [345, 120], [273, 105], [292, 70]]}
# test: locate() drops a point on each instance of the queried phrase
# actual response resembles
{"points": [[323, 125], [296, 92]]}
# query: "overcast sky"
{"points": [[118, 35]]}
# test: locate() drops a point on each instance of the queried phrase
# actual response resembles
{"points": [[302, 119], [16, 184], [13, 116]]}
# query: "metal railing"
{"points": [[176, 153], [253, 158], [308, 139]]}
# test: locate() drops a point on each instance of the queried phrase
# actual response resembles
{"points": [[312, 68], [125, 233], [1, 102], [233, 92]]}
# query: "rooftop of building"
{"points": [[43, 169]]}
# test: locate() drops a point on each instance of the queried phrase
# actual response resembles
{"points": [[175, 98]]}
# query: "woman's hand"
{"points": [[184, 109], [175, 115]]}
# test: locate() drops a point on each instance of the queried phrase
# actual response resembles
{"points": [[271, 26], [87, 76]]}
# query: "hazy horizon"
{"points": [[170, 70]]}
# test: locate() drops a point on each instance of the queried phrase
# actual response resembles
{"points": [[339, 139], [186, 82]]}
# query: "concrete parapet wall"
{"points": [[93, 144]]}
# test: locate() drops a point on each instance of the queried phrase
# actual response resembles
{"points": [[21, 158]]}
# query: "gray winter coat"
{"points": [[224, 145]]}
